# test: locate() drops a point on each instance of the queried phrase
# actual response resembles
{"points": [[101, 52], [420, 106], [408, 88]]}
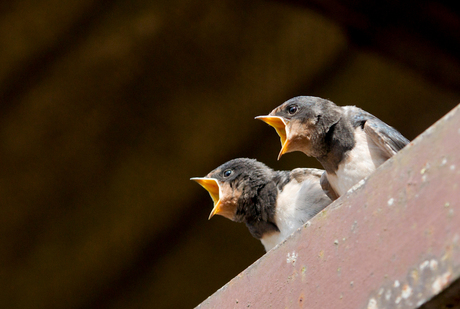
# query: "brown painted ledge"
{"points": [[392, 242]]}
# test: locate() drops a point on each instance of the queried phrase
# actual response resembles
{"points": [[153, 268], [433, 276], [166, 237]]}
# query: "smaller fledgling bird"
{"points": [[349, 142], [272, 204]]}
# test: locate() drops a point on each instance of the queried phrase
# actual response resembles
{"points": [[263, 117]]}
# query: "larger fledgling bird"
{"points": [[272, 204], [349, 142]]}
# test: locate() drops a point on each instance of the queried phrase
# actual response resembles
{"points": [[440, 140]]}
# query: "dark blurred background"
{"points": [[107, 108]]}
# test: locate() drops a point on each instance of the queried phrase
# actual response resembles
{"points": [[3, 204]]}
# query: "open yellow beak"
{"points": [[279, 123], [212, 186]]}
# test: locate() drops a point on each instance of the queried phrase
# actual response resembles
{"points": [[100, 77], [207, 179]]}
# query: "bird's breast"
{"points": [[295, 205], [357, 164], [270, 240]]}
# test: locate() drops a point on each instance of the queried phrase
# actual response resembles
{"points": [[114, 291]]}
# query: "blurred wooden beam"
{"points": [[392, 242]]}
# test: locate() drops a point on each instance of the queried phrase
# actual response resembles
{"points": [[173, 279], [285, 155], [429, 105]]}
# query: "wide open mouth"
{"points": [[212, 186], [279, 123]]}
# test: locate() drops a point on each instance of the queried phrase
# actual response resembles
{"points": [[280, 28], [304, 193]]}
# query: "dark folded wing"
{"points": [[386, 137]]}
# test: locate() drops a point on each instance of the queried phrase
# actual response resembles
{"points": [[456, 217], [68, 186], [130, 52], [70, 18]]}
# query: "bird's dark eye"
{"points": [[292, 109], [227, 173]]}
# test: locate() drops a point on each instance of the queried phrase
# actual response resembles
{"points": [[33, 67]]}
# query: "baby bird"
{"points": [[349, 142], [272, 204]]}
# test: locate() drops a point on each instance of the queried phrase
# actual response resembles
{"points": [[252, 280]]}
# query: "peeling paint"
{"points": [[303, 272], [414, 275], [304, 269], [441, 282], [443, 162], [321, 254], [291, 258], [420, 302], [388, 295], [406, 291], [372, 304], [433, 265], [424, 265]]}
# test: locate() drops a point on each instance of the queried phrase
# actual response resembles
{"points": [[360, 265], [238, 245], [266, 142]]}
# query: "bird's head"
{"points": [[233, 185], [301, 122]]}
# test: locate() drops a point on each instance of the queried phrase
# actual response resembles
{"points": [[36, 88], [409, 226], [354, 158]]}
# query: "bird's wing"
{"points": [[327, 188], [302, 174], [384, 136]]}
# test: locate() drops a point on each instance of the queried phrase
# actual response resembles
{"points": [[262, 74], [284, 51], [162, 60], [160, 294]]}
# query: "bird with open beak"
{"points": [[349, 142], [272, 204]]}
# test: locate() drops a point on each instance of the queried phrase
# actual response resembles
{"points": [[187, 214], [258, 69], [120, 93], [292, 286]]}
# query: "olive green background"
{"points": [[107, 108]]}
